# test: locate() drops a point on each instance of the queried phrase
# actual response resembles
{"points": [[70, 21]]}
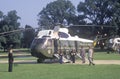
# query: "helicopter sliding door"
{"points": [[76, 46], [55, 45]]}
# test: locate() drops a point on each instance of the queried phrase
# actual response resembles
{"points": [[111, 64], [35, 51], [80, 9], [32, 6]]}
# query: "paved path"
{"points": [[102, 62], [20, 61], [77, 62]]}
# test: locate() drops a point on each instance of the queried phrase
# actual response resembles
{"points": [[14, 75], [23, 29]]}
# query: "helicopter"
{"points": [[48, 43], [113, 45]]}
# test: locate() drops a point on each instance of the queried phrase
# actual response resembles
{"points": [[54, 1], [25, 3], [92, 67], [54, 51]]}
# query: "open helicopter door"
{"points": [[55, 46], [76, 46], [56, 37], [55, 41]]}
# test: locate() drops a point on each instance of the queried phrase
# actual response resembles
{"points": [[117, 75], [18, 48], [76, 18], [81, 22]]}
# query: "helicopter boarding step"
{"points": [[65, 60], [78, 54]]}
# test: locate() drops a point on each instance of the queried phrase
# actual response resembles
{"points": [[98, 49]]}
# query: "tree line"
{"points": [[10, 22], [87, 12]]}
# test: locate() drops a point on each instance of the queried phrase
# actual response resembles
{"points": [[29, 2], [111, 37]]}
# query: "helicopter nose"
{"points": [[35, 48]]}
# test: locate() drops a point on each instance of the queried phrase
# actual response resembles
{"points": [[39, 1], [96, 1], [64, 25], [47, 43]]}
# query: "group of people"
{"points": [[90, 55], [82, 55], [72, 54]]}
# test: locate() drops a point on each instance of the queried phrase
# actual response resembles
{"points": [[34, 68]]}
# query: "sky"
{"points": [[27, 9]]}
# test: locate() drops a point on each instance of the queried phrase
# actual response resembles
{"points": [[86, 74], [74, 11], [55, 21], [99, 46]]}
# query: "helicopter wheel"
{"points": [[40, 60]]}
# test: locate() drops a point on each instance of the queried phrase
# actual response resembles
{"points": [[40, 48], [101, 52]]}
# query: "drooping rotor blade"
{"points": [[55, 31], [14, 31]]}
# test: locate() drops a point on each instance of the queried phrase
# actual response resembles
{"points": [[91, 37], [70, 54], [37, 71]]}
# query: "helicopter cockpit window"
{"points": [[41, 41], [45, 36], [63, 35]]}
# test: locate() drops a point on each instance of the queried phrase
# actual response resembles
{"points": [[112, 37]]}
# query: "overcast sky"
{"points": [[27, 9]]}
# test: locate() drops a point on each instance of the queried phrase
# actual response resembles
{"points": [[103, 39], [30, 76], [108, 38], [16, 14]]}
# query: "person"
{"points": [[10, 59], [82, 54], [90, 55], [61, 57], [73, 53], [119, 49]]}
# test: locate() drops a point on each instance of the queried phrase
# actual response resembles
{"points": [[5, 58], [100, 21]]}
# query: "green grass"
{"points": [[97, 56], [105, 56], [19, 58], [58, 71], [62, 71]]}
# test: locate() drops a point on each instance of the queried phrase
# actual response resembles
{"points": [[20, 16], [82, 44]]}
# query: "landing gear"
{"points": [[40, 60]]}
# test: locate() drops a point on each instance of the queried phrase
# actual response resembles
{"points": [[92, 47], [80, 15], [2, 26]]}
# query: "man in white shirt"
{"points": [[90, 55]]}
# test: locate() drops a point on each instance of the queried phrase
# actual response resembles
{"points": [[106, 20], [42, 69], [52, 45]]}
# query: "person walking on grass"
{"points": [[90, 55], [82, 54]]}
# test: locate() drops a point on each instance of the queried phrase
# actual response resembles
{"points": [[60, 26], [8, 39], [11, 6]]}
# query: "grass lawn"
{"points": [[97, 56], [60, 71], [105, 56]]}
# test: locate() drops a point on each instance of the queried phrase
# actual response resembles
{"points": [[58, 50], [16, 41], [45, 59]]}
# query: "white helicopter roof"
{"points": [[51, 33], [44, 33], [77, 39], [62, 34]]}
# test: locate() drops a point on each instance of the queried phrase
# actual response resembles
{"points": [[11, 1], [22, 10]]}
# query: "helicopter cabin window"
{"points": [[41, 41], [63, 35]]}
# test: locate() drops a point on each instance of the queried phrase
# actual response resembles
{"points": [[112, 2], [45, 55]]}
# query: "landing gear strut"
{"points": [[40, 60]]}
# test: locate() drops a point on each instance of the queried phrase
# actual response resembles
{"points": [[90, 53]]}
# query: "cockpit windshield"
{"points": [[42, 41]]}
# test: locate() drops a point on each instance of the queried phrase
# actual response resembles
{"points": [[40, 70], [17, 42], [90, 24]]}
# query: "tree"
{"points": [[1, 15], [57, 12], [28, 36], [99, 12], [2, 39], [10, 23], [116, 16]]}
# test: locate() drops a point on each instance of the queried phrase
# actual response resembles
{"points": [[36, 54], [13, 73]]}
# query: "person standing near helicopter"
{"points": [[10, 58], [90, 55], [82, 54], [73, 53], [60, 57]]}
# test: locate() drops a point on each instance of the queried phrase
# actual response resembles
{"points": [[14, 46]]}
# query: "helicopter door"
{"points": [[76, 46], [55, 46]]}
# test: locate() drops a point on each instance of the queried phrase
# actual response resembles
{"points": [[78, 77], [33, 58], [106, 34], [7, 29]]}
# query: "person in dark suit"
{"points": [[10, 59], [73, 53], [60, 56]]}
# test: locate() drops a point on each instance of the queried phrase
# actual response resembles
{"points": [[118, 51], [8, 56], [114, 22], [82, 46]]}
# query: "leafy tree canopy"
{"points": [[9, 22], [28, 36], [99, 12], [59, 11]]}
